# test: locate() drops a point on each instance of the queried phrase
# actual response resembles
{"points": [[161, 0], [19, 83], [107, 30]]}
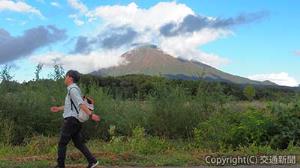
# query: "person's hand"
{"points": [[54, 109], [95, 117]]}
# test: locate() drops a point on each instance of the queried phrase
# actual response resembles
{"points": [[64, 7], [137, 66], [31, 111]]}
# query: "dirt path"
{"points": [[84, 166], [72, 156], [111, 156]]}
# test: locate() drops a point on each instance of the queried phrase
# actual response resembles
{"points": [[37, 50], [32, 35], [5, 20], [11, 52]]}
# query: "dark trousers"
{"points": [[72, 130]]}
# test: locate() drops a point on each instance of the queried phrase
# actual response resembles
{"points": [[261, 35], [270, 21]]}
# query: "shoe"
{"points": [[93, 165]]}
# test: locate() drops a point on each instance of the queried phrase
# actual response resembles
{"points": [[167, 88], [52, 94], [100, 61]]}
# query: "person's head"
{"points": [[72, 76]]}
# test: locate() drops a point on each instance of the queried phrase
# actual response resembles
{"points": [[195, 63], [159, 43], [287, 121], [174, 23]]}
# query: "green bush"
{"points": [[287, 124], [175, 114], [140, 143], [249, 92], [7, 129], [234, 129]]}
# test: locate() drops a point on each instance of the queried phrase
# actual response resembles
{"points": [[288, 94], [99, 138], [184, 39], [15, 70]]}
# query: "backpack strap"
{"points": [[72, 103]]}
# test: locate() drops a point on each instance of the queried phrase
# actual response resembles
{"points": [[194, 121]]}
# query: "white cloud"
{"points": [[19, 6], [186, 46], [282, 78], [147, 22], [78, 5], [83, 9], [84, 63], [55, 4], [14, 21], [77, 20], [139, 18]]}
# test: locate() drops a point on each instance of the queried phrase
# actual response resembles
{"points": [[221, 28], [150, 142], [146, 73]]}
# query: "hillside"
{"points": [[150, 60]]}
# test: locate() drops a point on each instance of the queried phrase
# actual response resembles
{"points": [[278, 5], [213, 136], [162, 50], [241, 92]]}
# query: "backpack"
{"points": [[89, 102]]}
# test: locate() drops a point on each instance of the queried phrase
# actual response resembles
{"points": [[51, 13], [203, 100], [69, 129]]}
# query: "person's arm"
{"points": [[89, 112], [56, 109], [77, 99]]}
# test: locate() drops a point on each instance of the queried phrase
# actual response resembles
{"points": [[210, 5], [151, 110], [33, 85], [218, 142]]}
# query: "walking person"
{"points": [[71, 128]]}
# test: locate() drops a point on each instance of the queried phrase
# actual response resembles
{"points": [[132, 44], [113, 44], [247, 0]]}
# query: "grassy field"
{"points": [[149, 121], [138, 150]]}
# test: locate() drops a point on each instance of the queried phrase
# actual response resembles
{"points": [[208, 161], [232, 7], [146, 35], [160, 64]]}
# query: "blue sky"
{"points": [[258, 39]]}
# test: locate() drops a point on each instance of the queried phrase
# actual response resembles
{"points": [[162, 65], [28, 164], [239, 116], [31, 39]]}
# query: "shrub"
{"points": [[249, 92], [234, 129], [7, 132], [140, 143], [287, 124]]}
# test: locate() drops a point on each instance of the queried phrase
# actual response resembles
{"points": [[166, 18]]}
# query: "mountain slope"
{"points": [[150, 60]]}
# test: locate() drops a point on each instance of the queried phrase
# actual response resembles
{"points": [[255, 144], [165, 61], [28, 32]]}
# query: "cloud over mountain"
{"points": [[282, 78], [112, 39], [194, 23], [172, 26]]}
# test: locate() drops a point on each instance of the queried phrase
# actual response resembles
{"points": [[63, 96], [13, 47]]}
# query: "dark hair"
{"points": [[74, 75]]}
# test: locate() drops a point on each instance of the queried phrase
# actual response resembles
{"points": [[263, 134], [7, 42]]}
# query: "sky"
{"points": [[257, 39]]}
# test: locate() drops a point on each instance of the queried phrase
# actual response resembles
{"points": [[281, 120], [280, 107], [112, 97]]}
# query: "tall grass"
{"points": [[206, 115]]}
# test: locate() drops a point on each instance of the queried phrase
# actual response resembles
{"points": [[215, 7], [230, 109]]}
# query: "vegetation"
{"points": [[149, 121], [249, 92]]}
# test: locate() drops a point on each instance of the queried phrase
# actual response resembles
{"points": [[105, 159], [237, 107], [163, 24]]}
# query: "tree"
{"points": [[38, 71], [249, 92], [5, 74], [58, 73]]}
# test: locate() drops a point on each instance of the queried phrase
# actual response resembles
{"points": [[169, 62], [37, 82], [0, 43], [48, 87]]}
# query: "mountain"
{"points": [[150, 60]]}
